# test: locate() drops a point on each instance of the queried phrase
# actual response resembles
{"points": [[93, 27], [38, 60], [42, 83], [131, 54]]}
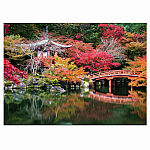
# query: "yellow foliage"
{"points": [[11, 48], [65, 70]]}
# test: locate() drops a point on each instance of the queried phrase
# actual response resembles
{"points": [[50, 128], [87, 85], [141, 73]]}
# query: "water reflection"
{"points": [[140, 107], [111, 98], [82, 106]]}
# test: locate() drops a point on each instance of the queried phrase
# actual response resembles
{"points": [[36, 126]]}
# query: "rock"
{"points": [[56, 88], [22, 85]]}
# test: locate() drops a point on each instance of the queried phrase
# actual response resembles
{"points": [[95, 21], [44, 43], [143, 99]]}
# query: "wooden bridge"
{"points": [[111, 98], [113, 74]]}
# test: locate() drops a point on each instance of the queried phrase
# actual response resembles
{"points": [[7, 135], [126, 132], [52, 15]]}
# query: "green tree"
{"points": [[134, 27]]}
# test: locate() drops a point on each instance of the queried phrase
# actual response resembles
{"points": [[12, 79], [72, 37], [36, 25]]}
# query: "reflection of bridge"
{"points": [[111, 98]]}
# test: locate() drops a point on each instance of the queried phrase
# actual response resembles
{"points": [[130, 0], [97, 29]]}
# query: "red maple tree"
{"points": [[6, 28], [111, 31], [93, 60], [11, 72]]}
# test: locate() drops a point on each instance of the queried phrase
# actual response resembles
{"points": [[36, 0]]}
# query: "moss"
{"points": [[8, 83], [16, 87], [30, 86]]}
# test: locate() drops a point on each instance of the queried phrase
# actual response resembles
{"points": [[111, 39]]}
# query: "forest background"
{"points": [[95, 47]]}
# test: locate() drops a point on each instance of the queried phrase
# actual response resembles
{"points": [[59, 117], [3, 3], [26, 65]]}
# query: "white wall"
{"points": [[40, 55]]}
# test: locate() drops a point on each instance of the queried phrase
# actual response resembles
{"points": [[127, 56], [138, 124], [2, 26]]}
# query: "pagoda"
{"points": [[42, 51], [45, 48]]}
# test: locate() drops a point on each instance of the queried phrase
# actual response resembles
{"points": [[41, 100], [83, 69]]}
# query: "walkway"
{"points": [[113, 74]]}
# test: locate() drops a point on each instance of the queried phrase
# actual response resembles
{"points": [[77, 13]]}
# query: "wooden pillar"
{"points": [[109, 85], [109, 82], [131, 83], [47, 53]]}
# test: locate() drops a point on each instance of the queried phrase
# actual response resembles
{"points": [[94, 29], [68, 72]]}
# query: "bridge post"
{"points": [[109, 82], [109, 85]]}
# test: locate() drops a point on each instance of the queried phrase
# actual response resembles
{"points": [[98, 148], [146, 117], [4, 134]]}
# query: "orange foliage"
{"points": [[139, 66], [135, 44], [64, 70]]}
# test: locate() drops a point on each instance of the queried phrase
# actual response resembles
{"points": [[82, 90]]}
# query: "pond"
{"points": [[76, 107]]}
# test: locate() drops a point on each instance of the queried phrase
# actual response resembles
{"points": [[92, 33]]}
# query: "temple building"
{"points": [[42, 51], [46, 48]]}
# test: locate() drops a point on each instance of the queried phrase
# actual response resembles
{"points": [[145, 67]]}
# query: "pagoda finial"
{"points": [[46, 32]]}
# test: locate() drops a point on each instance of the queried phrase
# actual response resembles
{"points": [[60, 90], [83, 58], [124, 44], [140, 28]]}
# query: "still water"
{"points": [[76, 107]]}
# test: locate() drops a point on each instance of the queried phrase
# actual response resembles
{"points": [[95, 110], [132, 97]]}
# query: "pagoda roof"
{"points": [[61, 45], [43, 42]]}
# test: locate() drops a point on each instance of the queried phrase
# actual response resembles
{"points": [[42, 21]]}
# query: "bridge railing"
{"points": [[113, 72]]}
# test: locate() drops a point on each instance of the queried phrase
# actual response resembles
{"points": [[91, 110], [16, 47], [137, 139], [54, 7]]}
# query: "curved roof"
{"points": [[61, 45], [42, 43]]}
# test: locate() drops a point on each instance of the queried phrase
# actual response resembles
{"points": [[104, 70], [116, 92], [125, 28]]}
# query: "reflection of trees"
{"points": [[75, 107], [38, 102], [53, 108], [34, 103], [8, 98], [140, 107], [43, 107], [34, 109], [65, 109], [27, 101], [15, 114], [97, 110], [13, 96], [69, 107]]}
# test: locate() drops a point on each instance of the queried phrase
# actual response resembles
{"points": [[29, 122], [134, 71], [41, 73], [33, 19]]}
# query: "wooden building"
{"points": [[44, 50]]}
